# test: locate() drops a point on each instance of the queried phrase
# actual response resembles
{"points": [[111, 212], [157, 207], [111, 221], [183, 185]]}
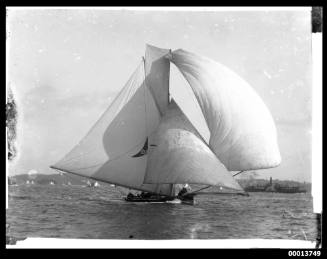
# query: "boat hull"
{"points": [[187, 199], [139, 199]]}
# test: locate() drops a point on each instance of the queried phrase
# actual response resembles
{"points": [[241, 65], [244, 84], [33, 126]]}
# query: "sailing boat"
{"points": [[145, 142]]}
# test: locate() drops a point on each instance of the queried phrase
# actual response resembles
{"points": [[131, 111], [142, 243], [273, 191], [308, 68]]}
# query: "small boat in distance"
{"points": [[145, 141]]}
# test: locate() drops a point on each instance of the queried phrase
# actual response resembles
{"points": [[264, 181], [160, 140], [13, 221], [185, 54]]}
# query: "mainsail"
{"points": [[242, 132], [179, 155], [107, 152]]}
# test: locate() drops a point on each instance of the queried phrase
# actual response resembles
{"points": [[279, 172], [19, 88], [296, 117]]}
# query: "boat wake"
{"points": [[175, 201]]}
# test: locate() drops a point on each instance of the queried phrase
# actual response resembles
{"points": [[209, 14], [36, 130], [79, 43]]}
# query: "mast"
{"points": [[169, 100], [157, 71]]}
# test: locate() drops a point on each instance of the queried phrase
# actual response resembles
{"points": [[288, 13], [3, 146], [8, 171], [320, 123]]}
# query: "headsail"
{"points": [[242, 131], [108, 151], [179, 155]]}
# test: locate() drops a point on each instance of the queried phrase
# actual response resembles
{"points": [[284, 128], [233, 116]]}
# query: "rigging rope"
{"points": [[238, 173], [197, 190]]}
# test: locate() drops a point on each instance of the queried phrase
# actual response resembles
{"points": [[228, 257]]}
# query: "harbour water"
{"points": [[101, 213]]}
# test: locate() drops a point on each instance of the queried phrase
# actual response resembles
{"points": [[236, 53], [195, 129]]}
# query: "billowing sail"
{"points": [[179, 155], [242, 131], [114, 149], [157, 69]]}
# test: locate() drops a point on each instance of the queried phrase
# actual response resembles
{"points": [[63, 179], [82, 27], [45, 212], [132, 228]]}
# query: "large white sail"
{"points": [[115, 148], [179, 155], [157, 69], [242, 131]]}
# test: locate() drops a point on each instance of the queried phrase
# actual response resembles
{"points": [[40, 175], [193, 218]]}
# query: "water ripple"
{"points": [[76, 212]]}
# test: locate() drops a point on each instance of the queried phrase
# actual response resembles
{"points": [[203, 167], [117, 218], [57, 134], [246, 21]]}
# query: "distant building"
{"points": [[260, 185]]}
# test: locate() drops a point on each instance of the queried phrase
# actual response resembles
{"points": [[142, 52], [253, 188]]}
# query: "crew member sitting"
{"points": [[184, 190], [130, 195], [145, 195]]}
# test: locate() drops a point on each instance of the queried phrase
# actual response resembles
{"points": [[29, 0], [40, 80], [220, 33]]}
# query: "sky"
{"points": [[65, 66]]}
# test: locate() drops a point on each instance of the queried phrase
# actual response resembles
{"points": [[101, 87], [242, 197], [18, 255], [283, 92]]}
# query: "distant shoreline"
{"points": [[249, 185]]}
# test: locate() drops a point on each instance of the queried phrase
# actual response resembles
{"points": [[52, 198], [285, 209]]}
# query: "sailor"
{"points": [[145, 195], [130, 195], [184, 190], [188, 188]]}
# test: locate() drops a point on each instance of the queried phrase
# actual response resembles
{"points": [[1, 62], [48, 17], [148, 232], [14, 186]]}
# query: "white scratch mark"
{"points": [[266, 74]]}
